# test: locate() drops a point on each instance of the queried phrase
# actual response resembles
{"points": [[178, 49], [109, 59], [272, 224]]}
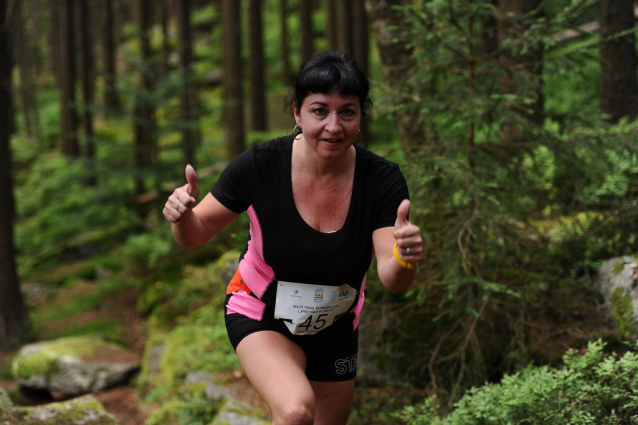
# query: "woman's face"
{"points": [[330, 122]]}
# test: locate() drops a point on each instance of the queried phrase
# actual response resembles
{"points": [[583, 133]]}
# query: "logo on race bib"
{"points": [[319, 295], [332, 296]]}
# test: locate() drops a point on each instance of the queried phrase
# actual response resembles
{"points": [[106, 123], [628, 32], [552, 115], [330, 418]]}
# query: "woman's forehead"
{"points": [[334, 99]]}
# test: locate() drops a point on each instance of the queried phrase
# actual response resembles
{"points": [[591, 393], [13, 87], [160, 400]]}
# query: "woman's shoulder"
{"points": [[277, 145], [373, 161]]}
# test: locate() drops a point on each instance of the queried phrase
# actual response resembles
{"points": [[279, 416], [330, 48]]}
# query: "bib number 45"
{"points": [[317, 322]]}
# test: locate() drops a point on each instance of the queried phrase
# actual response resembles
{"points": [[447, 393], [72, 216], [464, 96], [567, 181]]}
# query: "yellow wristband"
{"points": [[403, 263]]}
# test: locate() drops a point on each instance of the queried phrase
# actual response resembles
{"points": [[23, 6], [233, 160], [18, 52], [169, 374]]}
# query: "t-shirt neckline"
{"points": [[352, 195]]}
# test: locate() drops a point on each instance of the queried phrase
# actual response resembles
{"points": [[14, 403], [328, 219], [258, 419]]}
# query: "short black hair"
{"points": [[327, 72]]}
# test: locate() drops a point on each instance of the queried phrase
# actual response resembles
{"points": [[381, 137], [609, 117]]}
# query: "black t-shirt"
{"points": [[259, 181]]}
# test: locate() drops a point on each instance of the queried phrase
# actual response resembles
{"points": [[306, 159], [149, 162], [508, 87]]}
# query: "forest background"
{"points": [[513, 122]]}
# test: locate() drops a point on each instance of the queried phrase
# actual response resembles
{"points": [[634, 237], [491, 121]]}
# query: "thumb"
{"points": [[402, 214], [191, 177]]}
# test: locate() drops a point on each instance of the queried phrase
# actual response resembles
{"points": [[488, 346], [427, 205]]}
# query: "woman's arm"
{"points": [[194, 225], [395, 276]]}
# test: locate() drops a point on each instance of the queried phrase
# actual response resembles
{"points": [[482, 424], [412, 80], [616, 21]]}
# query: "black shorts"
{"points": [[331, 355]]}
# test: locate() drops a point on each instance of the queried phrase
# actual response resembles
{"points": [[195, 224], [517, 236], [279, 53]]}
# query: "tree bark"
{"points": [[166, 51], [189, 122], [143, 109], [331, 24], [111, 99], [344, 26], [393, 38], [305, 24], [54, 40], [87, 89], [256, 69], [14, 320], [26, 67], [286, 73], [618, 83], [531, 63], [361, 50], [69, 130], [233, 97]]}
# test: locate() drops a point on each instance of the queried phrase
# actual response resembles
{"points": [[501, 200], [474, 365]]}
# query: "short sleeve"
{"points": [[392, 189], [234, 188]]}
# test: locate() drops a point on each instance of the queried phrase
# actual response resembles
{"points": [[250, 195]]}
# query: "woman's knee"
{"points": [[296, 412]]}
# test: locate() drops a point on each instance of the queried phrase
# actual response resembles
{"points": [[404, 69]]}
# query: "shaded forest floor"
{"points": [[119, 309], [62, 304]]}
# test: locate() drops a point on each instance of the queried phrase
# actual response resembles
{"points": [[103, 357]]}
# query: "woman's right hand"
{"points": [[183, 199]]}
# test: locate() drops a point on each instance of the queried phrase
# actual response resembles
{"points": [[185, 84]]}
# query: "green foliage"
{"points": [[149, 248], [622, 310], [189, 325], [197, 411], [517, 204], [593, 388], [59, 215]]}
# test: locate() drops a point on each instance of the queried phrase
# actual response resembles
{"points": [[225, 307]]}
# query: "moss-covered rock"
{"points": [[74, 365], [618, 285], [622, 311], [5, 400], [84, 410], [234, 412]]}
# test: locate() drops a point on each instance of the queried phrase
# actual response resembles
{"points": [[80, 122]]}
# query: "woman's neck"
{"points": [[312, 165]]}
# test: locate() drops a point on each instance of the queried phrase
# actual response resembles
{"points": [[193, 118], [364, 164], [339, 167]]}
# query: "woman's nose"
{"points": [[333, 124]]}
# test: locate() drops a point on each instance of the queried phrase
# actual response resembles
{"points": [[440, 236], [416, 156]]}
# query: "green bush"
{"points": [[593, 388], [517, 205], [60, 216]]}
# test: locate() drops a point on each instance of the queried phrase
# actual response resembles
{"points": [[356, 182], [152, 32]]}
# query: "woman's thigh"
{"points": [[276, 368], [333, 401]]}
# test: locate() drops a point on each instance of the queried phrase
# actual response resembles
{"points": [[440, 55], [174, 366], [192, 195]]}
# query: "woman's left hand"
{"points": [[407, 236]]}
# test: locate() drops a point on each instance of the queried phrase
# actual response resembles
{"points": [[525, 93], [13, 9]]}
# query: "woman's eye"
{"points": [[347, 112], [319, 111]]}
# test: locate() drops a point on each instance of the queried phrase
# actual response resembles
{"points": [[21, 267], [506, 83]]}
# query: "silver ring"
{"points": [[407, 250], [177, 207]]}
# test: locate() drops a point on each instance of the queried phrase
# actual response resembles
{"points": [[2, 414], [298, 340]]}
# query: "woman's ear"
{"points": [[295, 112]]}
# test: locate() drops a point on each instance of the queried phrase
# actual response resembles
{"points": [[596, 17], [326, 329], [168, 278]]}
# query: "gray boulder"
{"points": [[85, 410], [212, 391], [74, 365], [618, 283], [231, 411]]}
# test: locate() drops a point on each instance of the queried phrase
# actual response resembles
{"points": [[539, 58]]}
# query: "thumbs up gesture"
{"points": [[407, 235], [183, 199]]}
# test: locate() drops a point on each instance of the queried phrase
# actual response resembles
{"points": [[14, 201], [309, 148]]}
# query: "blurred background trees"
{"points": [[512, 121]]}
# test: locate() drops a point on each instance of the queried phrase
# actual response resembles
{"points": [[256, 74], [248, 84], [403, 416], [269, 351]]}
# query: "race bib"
{"points": [[308, 309]]}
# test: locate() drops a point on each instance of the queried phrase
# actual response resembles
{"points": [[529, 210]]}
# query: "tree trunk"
{"points": [[233, 97], [286, 73], [305, 24], [14, 320], [256, 69], [143, 109], [111, 100], [187, 104], [54, 40], [166, 19], [511, 62], [87, 89], [393, 41], [26, 67], [331, 24], [344, 26], [618, 83], [69, 130], [361, 50]]}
